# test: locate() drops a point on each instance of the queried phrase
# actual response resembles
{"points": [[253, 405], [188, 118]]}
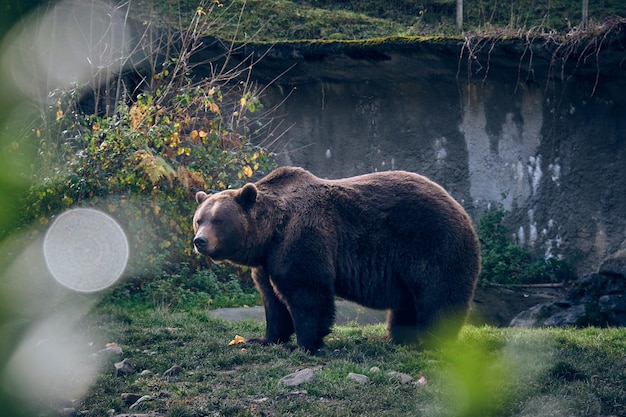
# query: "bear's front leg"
{"points": [[311, 303], [278, 322], [312, 322]]}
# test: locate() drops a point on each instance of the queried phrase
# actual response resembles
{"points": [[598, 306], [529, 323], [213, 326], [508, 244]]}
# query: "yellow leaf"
{"points": [[202, 134], [59, 114], [247, 171], [243, 101], [214, 108], [238, 340], [193, 134], [38, 133]]}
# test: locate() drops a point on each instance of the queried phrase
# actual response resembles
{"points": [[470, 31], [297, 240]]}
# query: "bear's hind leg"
{"points": [[438, 319], [402, 321]]}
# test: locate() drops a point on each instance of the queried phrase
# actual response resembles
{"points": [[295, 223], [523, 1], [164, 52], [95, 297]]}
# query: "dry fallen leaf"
{"points": [[238, 340]]}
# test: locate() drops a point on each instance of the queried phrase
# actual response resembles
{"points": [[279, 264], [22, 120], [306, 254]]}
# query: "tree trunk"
{"points": [[585, 13], [459, 14]]}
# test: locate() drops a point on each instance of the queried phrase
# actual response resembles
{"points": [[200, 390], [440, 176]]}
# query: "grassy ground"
{"points": [[498, 372], [285, 20]]}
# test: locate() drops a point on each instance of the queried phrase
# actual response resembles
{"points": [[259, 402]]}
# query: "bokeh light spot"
{"points": [[86, 250]]}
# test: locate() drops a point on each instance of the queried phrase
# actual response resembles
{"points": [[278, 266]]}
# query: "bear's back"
{"points": [[389, 203]]}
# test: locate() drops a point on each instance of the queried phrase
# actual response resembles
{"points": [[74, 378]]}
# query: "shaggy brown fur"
{"points": [[391, 240]]}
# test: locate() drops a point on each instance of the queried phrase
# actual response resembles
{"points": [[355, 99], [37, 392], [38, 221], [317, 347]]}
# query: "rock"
{"points": [[614, 265], [552, 314], [124, 367], [612, 303], [150, 414], [358, 377], [498, 305], [374, 369], [403, 378], [292, 394], [299, 377], [139, 401], [173, 371], [129, 399], [68, 411], [568, 317], [114, 350], [534, 316], [594, 300]]}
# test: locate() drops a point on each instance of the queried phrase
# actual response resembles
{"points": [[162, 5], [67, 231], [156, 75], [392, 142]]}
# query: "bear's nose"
{"points": [[200, 242]]}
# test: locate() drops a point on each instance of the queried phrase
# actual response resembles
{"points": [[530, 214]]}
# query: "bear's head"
{"points": [[221, 224]]}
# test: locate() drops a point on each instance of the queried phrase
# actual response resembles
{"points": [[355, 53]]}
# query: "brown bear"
{"points": [[391, 240]]}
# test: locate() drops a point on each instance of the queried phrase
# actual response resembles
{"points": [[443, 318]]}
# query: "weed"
{"points": [[504, 262]]}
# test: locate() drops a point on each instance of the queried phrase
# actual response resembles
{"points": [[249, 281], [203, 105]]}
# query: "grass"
{"points": [[488, 372], [286, 20]]}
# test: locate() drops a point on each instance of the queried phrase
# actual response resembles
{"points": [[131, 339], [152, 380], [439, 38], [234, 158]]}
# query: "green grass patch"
{"points": [[284, 20], [488, 372]]}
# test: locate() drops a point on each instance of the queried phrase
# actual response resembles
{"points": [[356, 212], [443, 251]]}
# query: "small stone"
{"points": [[114, 350], [145, 372], [302, 393], [173, 371], [261, 400], [374, 369], [403, 378], [358, 377], [139, 401], [299, 377], [68, 411], [129, 399], [124, 367]]}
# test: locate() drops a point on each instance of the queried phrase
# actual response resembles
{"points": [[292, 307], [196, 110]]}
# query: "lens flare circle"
{"points": [[86, 250]]}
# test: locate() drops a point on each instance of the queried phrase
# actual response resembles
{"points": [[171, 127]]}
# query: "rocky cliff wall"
{"points": [[535, 126]]}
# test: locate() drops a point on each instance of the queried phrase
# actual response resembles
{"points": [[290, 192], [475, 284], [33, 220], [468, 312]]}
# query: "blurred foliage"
{"points": [[504, 262]]}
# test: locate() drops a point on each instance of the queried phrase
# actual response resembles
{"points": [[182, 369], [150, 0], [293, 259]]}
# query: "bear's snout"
{"points": [[200, 243]]}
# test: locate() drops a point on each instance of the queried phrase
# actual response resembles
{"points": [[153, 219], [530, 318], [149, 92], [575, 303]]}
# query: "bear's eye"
{"points": [[216, 221]]}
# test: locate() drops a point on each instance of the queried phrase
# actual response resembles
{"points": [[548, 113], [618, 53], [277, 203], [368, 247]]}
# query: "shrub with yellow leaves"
{"points": [[153, 152]]}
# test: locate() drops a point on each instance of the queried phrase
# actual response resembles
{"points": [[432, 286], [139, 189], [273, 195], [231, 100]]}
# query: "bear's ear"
{"points": [[201, 196], [246, 196]]}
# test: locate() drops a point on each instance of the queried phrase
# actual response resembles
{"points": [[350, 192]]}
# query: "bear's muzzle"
{"points": [[200, 243]]}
